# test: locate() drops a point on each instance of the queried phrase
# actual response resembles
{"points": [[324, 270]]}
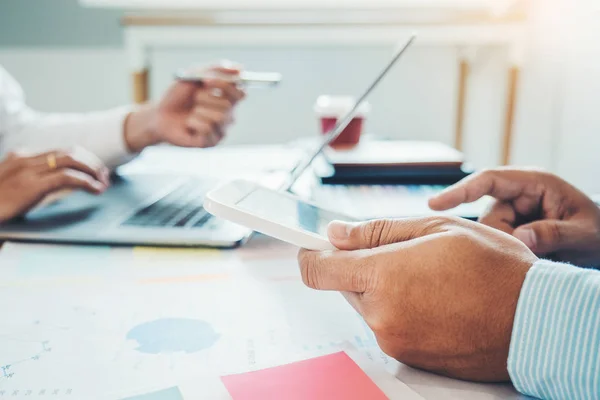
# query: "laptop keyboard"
{"points": [[376, 201], [181, 208], [389, 201]]}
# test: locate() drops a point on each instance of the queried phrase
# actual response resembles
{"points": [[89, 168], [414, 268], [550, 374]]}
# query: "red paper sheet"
{"points": [[335, 376]]}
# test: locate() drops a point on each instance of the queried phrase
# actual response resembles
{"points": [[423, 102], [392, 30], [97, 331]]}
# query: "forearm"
{"points": [[555, 347], [102, 133]]}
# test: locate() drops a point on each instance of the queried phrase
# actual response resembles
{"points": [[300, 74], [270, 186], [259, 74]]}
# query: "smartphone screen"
{"points": [[290, 212]]}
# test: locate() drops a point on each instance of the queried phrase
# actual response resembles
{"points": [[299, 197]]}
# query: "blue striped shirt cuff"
{"points": [[555, 346]]}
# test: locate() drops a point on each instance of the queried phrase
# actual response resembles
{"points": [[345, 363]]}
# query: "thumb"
{"points": [[371, 234], [181, 93], [547, 236]]}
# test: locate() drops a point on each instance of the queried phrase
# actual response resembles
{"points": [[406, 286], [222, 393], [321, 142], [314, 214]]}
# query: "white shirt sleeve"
{"points": [[22, 128]]}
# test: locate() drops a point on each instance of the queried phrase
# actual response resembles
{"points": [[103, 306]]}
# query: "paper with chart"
{"points": [[117, 323]]}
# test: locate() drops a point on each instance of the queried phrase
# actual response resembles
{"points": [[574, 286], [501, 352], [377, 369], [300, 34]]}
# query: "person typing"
{"points": [[47, 152]]}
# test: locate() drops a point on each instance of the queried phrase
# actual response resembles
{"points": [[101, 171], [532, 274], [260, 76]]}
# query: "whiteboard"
{"points": [[301, 4]]}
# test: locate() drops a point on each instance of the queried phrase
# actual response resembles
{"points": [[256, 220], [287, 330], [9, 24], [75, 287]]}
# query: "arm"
{"points": [[189, 114], [555, 346], [25, 129], [99, 132]]}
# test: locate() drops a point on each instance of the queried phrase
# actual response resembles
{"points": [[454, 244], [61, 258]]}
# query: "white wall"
{"points": [[579, 124], [416, 101], [70, 79]]}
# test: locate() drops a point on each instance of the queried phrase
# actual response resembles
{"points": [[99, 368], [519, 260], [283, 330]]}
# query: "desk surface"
{"points": [[86, 322], [80, 326]]}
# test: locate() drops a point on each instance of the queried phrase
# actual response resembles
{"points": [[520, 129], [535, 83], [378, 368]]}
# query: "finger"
{"points": [[215, 137], [216, 120], [218, 133], [181, 92], [500, 215], [549, 236], [85, 161], [200, 135], [371, 234], [229, 90], [227, 71], [339, 271], [77, 160], [227, 68], [502, 184], [213, 117], [66, 178], [206, 99]]}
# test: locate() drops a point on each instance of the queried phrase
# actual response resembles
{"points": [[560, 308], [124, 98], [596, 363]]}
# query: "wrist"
{"points": [[139, 129]]}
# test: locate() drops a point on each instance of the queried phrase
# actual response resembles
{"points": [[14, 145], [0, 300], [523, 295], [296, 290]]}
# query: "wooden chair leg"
{"points": [[513, 81], [464, 70], [140, 86]]}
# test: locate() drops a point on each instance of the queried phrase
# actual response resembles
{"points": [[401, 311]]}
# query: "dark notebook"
{"points": [[392, 162]]}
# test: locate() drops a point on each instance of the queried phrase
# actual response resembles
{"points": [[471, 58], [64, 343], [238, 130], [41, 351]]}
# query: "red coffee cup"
{"points": [[330, 109]]}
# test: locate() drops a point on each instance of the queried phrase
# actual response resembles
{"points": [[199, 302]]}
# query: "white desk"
{"points": [[72, 317], [71, 314]]}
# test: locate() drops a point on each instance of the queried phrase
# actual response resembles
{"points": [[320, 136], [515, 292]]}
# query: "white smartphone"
{"points": [[280, 215], [246, 78]]}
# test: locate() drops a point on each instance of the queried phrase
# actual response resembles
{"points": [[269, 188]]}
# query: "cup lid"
{"points": [[338, 106]]}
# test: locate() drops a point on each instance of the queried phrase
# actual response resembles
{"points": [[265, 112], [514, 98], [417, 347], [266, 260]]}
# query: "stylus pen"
{"points": [[246, 78]]}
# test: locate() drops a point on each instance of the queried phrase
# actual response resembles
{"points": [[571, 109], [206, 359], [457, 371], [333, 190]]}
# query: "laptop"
{"points": [[155, 210]]}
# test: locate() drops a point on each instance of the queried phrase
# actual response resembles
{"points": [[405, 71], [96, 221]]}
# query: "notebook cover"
{"points": [[395, 153]]}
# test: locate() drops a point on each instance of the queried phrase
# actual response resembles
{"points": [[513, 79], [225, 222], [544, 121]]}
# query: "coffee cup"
{"points": [[330, 109]]}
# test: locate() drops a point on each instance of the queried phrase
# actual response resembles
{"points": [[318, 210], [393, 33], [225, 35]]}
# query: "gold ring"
{"points": [[51, 160]]}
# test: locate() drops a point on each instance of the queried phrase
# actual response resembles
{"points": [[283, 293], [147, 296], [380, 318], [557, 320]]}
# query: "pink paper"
{"points": [[335, 376]]}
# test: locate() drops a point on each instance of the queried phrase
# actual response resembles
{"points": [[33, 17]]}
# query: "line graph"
{"points": [[31, 351]]}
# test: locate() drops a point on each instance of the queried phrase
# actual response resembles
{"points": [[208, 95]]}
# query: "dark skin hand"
{"points": [[26, 180], [553, 218], [440, 294]]}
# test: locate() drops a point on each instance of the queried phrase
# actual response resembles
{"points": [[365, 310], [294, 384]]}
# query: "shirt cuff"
{"points": [[108, 141], [555, 345]]}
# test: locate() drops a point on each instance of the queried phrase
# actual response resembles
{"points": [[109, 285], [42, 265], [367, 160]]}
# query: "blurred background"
{"points": [[73, 56]]}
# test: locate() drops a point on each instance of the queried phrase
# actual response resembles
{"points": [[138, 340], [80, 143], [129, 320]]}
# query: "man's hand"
{"points": [[190, 114], [439, 293], [27, 180], [550, 216]]}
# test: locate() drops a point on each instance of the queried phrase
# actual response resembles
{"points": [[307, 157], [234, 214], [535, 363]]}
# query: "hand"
{"points": [[440, 294], [190, 114], [27, 180], [550, 216]]}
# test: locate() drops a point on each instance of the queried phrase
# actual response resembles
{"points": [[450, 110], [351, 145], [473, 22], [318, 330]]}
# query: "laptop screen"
{"points": [[343, 122]]}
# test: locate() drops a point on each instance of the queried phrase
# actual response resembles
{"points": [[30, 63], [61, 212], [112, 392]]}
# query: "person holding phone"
{"points": [[478, 301], [45, 153]]}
